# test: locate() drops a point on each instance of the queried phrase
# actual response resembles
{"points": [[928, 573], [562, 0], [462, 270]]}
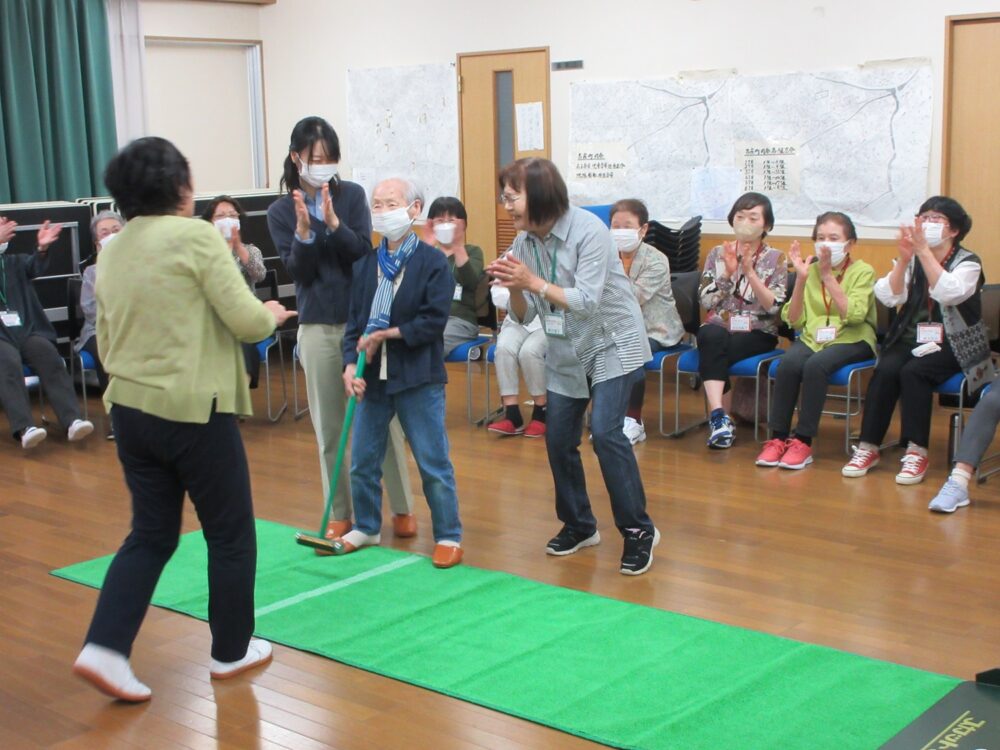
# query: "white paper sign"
{"points": [[530, 126], [598, 161]]}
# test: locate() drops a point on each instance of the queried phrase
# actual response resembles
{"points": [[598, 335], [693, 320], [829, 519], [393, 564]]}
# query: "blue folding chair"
{"points": [[468, 353], [685, 289], [84, 359], [751, 367], [270, 285], [847, 377], [601, 212]]}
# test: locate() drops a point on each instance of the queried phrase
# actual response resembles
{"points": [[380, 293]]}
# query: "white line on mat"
{"points": [[338, 585]]}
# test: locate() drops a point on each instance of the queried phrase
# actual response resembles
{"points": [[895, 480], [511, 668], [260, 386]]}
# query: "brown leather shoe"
{"points": [[404, 525], [446, 556], [334, 530]]}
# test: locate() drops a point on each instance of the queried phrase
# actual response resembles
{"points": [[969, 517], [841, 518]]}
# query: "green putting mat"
{"points": [[610, 671]]}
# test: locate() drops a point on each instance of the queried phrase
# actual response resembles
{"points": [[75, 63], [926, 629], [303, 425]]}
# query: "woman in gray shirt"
{"points": [[567, 269]]}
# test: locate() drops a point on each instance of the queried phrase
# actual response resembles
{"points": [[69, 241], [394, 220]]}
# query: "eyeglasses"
{"points": [[231, 215], [509, 200], [933, 218]]}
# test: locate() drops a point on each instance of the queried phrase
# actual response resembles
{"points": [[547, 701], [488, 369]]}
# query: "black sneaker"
{"points": [[566, 542], [638, 554]]}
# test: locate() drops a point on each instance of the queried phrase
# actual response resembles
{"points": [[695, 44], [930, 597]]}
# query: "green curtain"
{"points": [[57, 112]]}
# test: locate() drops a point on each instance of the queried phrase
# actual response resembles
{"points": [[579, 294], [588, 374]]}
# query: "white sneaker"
{"points": [[32, 436], [634, 430], [79, 430], [109, 672], [258, 653]]}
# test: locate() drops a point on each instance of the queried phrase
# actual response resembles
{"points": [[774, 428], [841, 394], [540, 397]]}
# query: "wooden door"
{"points": [[491, 85], [971, 170]]}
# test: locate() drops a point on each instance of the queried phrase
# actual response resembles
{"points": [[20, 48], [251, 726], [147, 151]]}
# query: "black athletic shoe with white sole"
{"points": [[566, 542], [638, 554]]}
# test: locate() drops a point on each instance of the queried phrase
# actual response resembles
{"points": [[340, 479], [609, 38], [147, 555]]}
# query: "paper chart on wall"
{"points": [[856, 140], [403, 121]]}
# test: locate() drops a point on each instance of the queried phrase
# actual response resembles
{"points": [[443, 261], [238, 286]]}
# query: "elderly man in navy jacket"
{"points": [[400, 302]]}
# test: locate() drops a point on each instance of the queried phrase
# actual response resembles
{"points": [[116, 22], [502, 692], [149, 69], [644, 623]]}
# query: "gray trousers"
{"points": [[519, 348], [804, 370], [322, 357], [41, 355], [457, 332], [980, 429]]}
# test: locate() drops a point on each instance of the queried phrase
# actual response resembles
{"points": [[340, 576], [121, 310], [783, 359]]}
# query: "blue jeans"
{"points": [[421, 413], [564, 427]]}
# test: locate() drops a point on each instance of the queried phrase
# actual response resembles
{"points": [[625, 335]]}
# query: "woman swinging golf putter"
{"points": [[400, 302]]}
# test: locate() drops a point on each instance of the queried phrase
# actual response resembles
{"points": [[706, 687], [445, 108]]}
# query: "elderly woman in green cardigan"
{"points": [[832, 309]]}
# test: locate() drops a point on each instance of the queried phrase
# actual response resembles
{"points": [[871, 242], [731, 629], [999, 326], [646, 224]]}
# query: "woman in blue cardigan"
{"points": [[400, 302], [320, 228]]}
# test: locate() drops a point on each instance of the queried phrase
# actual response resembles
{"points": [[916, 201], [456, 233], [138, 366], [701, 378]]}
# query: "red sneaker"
{"points": [[861, 462], [798, 455], [505, 427], [914, 468], [535, 429], [774, 449]]}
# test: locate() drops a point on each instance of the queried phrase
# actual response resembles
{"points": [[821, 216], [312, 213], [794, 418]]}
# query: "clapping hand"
{"points": [[329, 215], [301, 215], [47, 234], [800, 264], [7, 229], [730, 259]]}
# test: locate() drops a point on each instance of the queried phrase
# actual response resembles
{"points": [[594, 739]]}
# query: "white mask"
{"points": [[317, 175], [445, 233], [838, 251], [107, 240], [392, 224], [934, 233], [3, 247], [626, 240], [226, 225], [746, 232]]}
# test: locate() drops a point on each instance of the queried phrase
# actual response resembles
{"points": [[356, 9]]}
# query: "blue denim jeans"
{"points": [[564, 427], [421, 413]]}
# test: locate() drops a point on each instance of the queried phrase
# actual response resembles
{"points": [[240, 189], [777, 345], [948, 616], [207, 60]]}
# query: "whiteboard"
{"points": [[403, 122], [855, 140]]}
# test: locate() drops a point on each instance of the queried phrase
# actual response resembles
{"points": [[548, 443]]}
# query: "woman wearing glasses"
{"points": [[564, 269], [742, 290], [938, 332]]}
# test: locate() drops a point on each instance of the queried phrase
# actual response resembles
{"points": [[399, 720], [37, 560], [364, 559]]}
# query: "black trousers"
{"points": [[901, 376], [90, 346], [161, 460], [251, 360], [41, 355], [718, 350], [804, 370]]}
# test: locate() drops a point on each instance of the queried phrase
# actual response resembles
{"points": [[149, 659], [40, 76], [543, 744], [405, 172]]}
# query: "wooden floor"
{"points": [[858, 564]]}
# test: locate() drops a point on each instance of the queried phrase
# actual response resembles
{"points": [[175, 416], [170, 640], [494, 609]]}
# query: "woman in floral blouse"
{"points": [[742, 290]]}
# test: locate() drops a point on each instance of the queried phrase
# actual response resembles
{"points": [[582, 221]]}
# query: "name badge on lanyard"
{"points": [[457, 296], [826, 334], [554, 324], [739, 323], [10, 318], [930, 333]]}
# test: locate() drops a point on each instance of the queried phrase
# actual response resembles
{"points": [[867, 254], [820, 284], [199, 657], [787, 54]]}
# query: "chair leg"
{"points": [[678, 430], [284, 385]]}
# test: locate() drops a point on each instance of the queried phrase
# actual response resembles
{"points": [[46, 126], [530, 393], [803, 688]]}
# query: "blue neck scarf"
{"points": [[391, 265]]}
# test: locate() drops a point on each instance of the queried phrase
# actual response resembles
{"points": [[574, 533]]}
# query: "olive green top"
{"points": [[171, 311]]}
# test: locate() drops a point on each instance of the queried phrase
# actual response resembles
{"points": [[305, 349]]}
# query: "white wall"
{"points": [[310, 44]]}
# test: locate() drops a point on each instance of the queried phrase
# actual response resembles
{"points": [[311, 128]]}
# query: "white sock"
{"points": [[868, 447], [449, 543], [912, 447], [360, 539], [960, 477]]}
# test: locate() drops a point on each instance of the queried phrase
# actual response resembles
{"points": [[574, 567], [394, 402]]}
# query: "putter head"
{"points": [[333, 546]]}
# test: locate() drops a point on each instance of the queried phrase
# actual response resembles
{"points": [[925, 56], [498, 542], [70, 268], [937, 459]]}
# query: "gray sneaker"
{"points": [[951, 497]]}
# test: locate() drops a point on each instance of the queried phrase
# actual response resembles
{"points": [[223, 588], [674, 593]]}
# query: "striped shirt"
{"points": [[605, 334]]}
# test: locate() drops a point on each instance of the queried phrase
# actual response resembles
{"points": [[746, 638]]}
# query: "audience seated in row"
{"points": [[28, 338]]}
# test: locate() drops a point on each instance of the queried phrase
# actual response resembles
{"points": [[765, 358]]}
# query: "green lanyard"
{"points": [[3, 277], [541, 266]]}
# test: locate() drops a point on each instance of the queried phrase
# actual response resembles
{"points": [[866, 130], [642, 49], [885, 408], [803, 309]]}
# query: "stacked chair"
{"points": [[681, 246]]}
